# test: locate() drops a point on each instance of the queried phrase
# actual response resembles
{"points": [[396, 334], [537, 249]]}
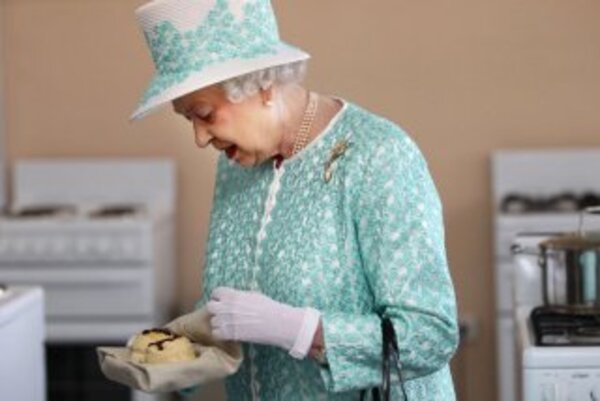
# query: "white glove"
{"points": [[254, 317], [194, 325]]}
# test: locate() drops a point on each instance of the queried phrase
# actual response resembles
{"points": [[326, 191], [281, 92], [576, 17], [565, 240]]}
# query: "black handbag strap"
{"points": [[390, 360], [375, 395]]}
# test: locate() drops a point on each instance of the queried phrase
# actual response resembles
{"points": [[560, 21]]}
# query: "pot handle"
{"points": [[541, 253], [582, 213], [517, 249]]}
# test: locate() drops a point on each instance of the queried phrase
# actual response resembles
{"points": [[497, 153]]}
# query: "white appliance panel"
{"points": [[562, 385], [66, 240], [22, 375], [90, 292], [555, 373], [505, 345], [95, 182], [504, 287], [544, 171]]}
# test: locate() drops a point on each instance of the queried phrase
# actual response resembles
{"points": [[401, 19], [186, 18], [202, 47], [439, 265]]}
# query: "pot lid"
{"points": [[573, 241]]}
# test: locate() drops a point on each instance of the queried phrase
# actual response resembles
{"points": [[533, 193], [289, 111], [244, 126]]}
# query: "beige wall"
{"points": [[464, 77], [2, 116]]}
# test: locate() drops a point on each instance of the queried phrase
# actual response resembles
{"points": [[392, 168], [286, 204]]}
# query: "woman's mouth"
{"points": [[231, 151]]}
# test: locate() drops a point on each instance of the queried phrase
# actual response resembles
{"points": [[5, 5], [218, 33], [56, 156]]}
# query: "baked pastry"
{"points": [[139, 343], [174, 349], [160, 345]]}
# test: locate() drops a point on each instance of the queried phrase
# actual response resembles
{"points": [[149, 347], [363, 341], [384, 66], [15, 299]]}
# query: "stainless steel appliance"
{"points": [[569, 266], [98, 236], [538, 190]]}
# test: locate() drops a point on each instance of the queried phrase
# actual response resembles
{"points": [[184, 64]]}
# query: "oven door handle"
{"points": [[82, 280], [87, 284]]}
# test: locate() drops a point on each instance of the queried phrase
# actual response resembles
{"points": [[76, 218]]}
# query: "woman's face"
{"points": [[245, 131]]}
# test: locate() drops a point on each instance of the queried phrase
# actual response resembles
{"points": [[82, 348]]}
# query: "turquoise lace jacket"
{"points": [[353, 236]]}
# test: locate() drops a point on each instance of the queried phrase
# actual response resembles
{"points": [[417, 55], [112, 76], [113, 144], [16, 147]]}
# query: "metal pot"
{"points": [[570, 270], [570, 267]]}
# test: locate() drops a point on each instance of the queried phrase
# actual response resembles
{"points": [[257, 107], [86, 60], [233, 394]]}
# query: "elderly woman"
{"points": [[325, 218]]}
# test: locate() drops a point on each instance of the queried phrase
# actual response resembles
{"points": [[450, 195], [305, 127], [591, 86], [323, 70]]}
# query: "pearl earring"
{"points": [[269, 103]]}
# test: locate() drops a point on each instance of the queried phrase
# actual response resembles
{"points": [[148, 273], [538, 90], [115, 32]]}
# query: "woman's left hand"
{"points": [[254, 317]]}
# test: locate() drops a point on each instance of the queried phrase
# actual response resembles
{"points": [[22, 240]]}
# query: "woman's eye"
{"points": [[204, 114], [209, 118]]}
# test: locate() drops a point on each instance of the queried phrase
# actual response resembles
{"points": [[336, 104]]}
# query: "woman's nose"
{"points": [[201, 134]]}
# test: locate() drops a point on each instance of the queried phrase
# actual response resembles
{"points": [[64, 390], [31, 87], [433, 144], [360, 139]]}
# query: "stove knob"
{"points": [[38, 246], [19, 246], [59, 245], [128, 247], [595, 393], [103, 246], [82, 247], [577, 391], [549, 392]]}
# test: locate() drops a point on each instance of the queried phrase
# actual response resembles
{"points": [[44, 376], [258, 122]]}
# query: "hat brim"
{"points": [[213, 74]]}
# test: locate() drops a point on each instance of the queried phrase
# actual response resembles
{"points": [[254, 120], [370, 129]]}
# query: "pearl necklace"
{"points": [[301, 138]]}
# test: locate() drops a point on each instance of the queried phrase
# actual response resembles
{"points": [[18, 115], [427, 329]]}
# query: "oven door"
{"points": [[74, 375], [89, 291]]}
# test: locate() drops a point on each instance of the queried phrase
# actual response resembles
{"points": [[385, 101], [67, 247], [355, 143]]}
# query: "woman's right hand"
{"points": [[194, 325]]}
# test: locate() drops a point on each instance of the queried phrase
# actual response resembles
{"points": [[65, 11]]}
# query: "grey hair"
{"points": [[238, 88]]}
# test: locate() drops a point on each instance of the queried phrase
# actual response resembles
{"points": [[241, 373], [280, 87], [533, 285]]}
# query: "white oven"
{"points": [[567, 373], [533, 191], [558, 348], [98, 237]]}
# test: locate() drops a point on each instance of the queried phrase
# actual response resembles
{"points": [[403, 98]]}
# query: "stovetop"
{"points": [[566, 326]]}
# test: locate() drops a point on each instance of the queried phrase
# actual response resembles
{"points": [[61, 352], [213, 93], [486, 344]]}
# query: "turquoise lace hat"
{"points": [[197, 43]]}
